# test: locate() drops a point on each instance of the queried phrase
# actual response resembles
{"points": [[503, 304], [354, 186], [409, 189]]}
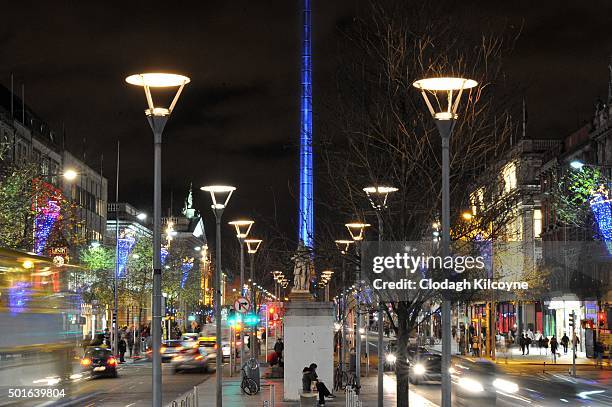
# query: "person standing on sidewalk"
{"points": [[122, 348], [522, 343], [554, 345], [565, 343]]}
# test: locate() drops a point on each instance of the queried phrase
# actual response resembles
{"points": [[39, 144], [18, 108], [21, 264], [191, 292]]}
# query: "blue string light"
{"points": [[602, 209], [44, 221], [186, 268], [125, 245]]}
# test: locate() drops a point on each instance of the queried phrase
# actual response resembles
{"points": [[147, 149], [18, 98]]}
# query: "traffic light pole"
{"points": [[574, 342]]}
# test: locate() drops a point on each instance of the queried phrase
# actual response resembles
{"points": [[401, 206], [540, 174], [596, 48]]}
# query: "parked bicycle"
{"points": [[340, 378], [248, 385]]}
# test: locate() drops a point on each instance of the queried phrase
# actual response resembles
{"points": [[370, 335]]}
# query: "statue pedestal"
{"points": [[300, 295], [309, 338]]}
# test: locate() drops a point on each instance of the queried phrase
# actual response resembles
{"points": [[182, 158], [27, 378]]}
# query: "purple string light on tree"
{"points": [[125, 245]]}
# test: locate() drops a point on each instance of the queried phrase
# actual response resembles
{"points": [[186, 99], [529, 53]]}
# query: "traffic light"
{"points": [[571, 320], [251, 319]]}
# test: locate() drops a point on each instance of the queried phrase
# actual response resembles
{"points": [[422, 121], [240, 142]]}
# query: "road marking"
{"points": [[129, 405]]}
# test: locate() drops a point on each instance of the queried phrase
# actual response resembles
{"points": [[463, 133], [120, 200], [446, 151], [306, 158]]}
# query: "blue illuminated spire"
{"points": [[306, 210]]}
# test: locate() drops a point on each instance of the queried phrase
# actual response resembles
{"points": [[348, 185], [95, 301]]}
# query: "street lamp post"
{"points": [[222, 193], [252, 247], [243, 227], [357, 231], [445, 118], [343, 246], [378, 199], [157, 118]]}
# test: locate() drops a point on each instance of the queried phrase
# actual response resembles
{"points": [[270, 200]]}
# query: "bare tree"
{"points": [[382, 134]]}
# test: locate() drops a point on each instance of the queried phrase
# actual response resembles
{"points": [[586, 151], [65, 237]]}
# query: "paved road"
{"points": [[133, 387], [552, 387]]}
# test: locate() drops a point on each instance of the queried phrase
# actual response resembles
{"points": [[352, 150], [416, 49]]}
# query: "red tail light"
{"points": [[111, 361]]}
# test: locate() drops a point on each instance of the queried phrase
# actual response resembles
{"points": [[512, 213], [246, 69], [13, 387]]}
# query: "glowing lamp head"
{"points": [[70, 175], [252, 245], [243, 227], [141, 216], [378, 195], [343, 245], [576, 164], [220, 195], [357, 230], [158, 80], [445, 94], [466, 216]]}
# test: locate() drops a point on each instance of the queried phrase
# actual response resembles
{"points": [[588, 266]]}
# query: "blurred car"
{"points": [[99, 362], [390, 355], [477, 382], [190, 336], [425, 365], [168, 350], [197, 357]]}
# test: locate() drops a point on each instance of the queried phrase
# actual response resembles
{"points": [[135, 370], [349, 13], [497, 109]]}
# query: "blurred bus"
{"points": [[40, 321]]}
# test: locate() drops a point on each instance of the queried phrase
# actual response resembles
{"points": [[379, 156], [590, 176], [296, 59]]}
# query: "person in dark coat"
{"points": [[122, 348], [522, 343], [554, 345], [565, 342], [309, 375]]}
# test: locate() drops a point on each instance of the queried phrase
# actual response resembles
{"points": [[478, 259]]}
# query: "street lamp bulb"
{"points": [[197, 248], [70, 175], [466, 216], [141, 216], [577, 164], [157, 80]]}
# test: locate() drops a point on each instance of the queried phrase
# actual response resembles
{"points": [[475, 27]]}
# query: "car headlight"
{"points": [[391, 358], [452, 370], [505, 385], [471, 385], [419, 369]]}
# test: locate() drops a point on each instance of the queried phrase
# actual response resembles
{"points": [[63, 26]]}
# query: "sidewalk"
{"points": [[232, 395], [537, 356]]}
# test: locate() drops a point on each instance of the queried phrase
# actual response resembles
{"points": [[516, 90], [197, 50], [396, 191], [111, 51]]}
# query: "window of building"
{"points": [[509, 175], [537, 223]]}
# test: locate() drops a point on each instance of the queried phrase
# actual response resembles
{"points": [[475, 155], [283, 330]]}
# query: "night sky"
{"points": [[238, 121]]}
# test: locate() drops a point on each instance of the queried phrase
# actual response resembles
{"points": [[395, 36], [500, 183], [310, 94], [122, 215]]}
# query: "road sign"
{"points": [[242, 305]]}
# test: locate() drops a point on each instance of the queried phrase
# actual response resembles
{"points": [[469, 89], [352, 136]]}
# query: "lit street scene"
{"points": [[348, 203]]}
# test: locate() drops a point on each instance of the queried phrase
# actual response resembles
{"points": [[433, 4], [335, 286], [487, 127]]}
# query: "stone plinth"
{"points": [[309, 338]]}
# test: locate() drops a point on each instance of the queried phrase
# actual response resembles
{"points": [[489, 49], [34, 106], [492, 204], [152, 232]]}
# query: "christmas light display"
{"points": [[45, 219], [19, 294], [125, 244], [164, 254], [602, 209], [186, 268]]}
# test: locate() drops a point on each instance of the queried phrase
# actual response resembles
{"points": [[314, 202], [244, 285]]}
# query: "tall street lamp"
{"points": [[378, 199], [157, 118], [243, 227], [252, 247], [357, 231], [343, 246], [442, 91], [220, 196]]}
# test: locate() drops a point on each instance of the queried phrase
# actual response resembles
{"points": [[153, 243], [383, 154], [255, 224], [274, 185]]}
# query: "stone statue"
{"points": [[188, 210], [303, 268]]}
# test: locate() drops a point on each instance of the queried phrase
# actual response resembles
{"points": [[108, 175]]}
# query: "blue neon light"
{"points": [[43, 223], [306, 210], [602, 209], [125, 245]]}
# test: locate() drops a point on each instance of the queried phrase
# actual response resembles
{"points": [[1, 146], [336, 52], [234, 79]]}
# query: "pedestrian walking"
{"points": [[527, 343], [554, 345], [522, 343], [122, 347], [565, 343], [130, 341]]}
